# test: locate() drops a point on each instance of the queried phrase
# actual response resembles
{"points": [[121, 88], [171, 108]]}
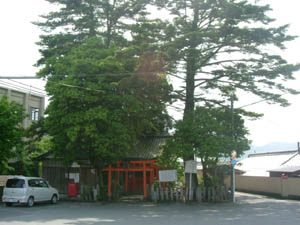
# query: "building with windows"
{"points": [[33, 103]]}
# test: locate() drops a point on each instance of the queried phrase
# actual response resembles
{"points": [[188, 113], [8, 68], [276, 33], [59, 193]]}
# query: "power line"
{"points": [[19, 88], [254, 103], [61, 84], [22, 89], [19, 77], [90, 89], [74, 86], [28, 85], [77, 75], [61, 75]]}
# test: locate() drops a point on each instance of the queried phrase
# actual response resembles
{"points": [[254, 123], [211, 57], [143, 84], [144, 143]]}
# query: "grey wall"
{"points": [[27, 100]]}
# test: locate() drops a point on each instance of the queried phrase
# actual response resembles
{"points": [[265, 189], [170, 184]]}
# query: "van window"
{"points": [[43, 184], [32, 183], [15, 183]]}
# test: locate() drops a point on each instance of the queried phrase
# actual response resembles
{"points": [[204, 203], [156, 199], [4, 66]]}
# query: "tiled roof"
{"points": [[146, 149]]}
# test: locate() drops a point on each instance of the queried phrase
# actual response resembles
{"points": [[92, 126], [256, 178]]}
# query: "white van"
{"points": [[28, 190]]}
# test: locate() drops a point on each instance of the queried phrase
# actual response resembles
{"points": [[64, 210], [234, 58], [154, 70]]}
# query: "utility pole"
{"points": [[233, 154]]}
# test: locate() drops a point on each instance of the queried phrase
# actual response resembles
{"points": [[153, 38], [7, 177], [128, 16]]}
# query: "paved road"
{"points": [[248, 210]]}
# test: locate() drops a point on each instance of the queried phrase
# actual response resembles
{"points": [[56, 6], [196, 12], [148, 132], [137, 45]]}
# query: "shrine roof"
{"points": [[147, 148]]}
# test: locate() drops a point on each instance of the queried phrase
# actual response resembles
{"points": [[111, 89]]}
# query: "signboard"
{"points": [[167, 175], [233, 154], [233, 157], [74, 176], [233, 162], [190, 166]]}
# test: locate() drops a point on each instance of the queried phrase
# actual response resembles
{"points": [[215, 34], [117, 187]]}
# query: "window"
{"points": [[15, 183], [43, 184], [32, 183], [34, 113]]}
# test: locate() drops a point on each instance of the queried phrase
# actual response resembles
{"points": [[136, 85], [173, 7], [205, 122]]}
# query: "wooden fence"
{"points": [[59, 176], [199, 194], [89, 193]]}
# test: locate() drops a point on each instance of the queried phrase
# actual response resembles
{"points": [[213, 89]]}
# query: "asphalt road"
{"points": [[248, 210]]}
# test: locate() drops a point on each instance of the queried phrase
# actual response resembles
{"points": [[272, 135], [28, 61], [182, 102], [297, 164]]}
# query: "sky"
{"points": [[18, 54]]}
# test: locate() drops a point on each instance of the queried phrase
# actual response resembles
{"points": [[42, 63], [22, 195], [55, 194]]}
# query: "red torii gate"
{"points": [[143, 166]]}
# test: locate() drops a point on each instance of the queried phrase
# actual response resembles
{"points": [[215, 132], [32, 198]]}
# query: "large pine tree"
{"points": [[75, 21], [217, 45], [220, 48]]}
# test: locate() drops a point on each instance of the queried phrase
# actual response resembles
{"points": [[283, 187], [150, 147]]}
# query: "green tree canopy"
{"points": [[35, 143], [216, 44], [210, 134], [215, 47], [212, 47], [11, 117], [75, 21], [100, 107], [106, 88]]}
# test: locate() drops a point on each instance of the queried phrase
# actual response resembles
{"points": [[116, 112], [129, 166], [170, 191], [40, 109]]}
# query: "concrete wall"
{"points": [[293, 186], [259, 184], [27, 100], [271, 185]]}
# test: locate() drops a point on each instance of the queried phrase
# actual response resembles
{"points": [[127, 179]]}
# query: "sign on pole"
{"points": [[233, 154], [233, 157], [190, 166], [167, 175], [233, 163]]}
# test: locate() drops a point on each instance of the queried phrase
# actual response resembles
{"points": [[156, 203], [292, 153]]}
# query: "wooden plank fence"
{"points": [[89, 193], [167, 194], [199, 194]]}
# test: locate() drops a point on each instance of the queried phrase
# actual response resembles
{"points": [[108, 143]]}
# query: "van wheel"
{"points": [[54, 199], [8, 204], [30, 202]]}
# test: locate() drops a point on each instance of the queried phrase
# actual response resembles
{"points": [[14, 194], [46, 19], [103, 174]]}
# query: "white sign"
{"points": [[190, 166], [75, 165], [74, 176], [233, 154], [167, 175]]}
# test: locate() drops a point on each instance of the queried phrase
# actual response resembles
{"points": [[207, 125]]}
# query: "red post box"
{"points": [[72, 189]]}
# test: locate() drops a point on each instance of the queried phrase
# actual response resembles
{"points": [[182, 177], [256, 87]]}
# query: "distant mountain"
{"points": [[272, 147]]}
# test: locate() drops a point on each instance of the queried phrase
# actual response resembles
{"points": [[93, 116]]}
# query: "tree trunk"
{"points": [[191, 69], [99, 173], [205, 176]]}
